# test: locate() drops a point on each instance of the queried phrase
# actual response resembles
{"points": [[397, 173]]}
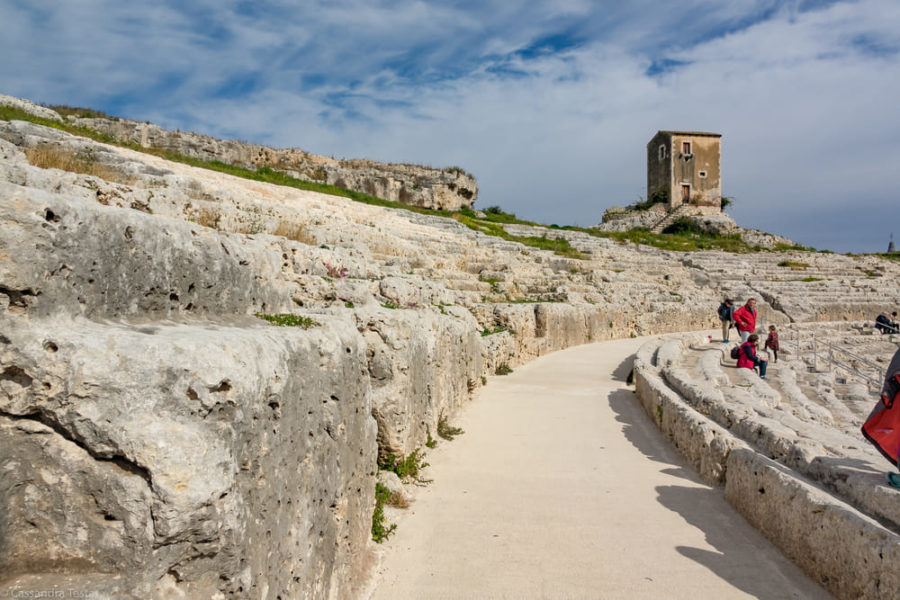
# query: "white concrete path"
{"points": [[561, 487]]}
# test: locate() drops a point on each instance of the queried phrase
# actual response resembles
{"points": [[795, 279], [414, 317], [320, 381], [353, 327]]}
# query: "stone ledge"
{"points": [[848, 553]]}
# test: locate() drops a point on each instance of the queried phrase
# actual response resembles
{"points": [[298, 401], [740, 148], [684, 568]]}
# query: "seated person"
{"points": [[884, 324], [748, 358]]}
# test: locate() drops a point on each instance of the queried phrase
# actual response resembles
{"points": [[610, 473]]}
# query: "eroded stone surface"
{"points": [[136, 380]]}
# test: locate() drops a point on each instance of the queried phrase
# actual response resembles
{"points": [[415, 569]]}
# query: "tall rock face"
{"points": [[426, 187]]}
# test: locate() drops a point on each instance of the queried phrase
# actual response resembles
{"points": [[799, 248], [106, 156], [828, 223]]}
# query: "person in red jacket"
{"points": [[745, 319], [748, 358]]}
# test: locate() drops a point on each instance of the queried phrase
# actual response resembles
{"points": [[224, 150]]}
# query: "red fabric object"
{"points": [[882, 428], [745, 318], [746, 356], [772, 341]]}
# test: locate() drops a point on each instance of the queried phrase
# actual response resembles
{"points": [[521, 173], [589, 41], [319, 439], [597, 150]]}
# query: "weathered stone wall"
{"points": [[438, 189]]}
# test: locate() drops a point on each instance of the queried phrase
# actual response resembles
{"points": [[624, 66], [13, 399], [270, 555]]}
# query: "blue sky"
{"points": [[549, 104]]}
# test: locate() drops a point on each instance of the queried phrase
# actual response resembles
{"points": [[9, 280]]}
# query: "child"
{"points": [[772, 342]]}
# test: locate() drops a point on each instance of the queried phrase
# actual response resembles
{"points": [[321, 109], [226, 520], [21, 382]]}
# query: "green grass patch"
{"points": [[407, 466], [560, 246], [793, 264], [503, 369], [810, 279], [381, 529], [289, 320], [430, 442], [500, 329], [447, 431], [680, 242]]}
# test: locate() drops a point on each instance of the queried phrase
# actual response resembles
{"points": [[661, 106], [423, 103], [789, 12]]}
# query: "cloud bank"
{"points": [[549, 104]]}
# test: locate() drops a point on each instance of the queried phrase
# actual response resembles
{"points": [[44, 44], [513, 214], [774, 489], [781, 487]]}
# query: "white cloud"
{"points": [[805, 100]]}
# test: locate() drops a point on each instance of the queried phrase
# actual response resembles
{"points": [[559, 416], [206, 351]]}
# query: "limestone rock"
{"points": [[438, 189], [30, 107]]}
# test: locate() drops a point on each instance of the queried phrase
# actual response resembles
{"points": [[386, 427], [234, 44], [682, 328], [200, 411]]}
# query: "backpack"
{"points": [[735, 352], [724, 312]]}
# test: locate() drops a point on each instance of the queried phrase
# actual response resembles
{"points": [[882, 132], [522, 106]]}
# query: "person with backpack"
{"points": [[726, 315], [745, 319], [749, 359], [882, 427]]}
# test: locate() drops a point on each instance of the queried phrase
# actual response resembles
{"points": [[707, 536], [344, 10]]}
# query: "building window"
{"points": [[685, 147], [662, 152], [702, 174]]}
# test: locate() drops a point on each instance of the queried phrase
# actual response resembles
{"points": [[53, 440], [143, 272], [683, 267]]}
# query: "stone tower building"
{"points": [[685, 168]]}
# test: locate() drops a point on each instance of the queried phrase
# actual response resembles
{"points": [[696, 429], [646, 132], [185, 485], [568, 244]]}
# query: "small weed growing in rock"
{"points": [[795, 265], [447, 431], [503, 369], [486, 332], [289, 320], [397, 500], [208, 217], [470, 385], [381, 529], [809, 279], [431, 442], [483, 380], [390, 304], [335, 272], [406, 466]]}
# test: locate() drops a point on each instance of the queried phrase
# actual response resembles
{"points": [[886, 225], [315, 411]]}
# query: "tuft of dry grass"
{"points": [[208, 217], [397, 500], [54, 157], [296, 232]]}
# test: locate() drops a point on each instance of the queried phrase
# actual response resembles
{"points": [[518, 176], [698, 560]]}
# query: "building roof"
{"points": [[696, 133]]}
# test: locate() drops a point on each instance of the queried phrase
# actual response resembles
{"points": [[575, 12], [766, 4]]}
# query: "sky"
{"points": [[550, 104]]}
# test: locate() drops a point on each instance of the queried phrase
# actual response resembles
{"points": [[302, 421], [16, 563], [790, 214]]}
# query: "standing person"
{"points": [[726, 315], [745, 319], [882, 427], [748, 358], [772, 342]]}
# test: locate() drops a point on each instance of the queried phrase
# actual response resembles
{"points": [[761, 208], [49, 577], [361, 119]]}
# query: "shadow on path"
{"points": [[643, 434], [737, 556], [623, 371]]}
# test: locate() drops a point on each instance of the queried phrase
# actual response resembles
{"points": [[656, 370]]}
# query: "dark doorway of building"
{"points": [[685, 194]]}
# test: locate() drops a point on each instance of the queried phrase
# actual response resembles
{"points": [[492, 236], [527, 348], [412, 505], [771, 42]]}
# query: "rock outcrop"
{"points": [[157, 438]]}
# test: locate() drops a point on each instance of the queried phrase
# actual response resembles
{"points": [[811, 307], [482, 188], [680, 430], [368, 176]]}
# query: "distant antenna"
{"points": [[891, 245]]}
